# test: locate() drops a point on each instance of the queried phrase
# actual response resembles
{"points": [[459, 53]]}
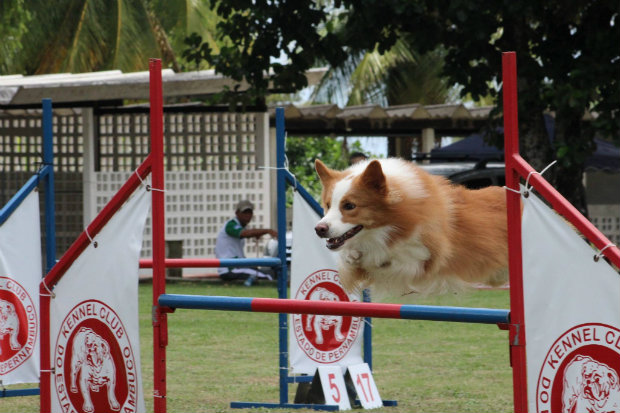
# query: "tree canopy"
{"points": [[40, 36], [568, 57]]}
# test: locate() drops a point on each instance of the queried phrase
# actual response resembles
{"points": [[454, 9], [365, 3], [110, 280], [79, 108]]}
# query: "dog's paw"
{"points": [[352, 256]]}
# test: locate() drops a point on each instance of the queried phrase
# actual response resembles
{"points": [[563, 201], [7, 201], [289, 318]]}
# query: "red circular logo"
{"points": [[324, 338], [581, 372], [95, 369], [18, 325]]}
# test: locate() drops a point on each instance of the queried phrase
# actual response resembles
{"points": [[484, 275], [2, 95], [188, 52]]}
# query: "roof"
{"points": [[86, 89], [111, 88], [374, 120]]}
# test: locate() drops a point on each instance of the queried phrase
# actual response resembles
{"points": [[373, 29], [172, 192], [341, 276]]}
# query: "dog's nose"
{"points": [[321, 229]]}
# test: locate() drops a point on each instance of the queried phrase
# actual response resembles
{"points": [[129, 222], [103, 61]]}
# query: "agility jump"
{"points": [[514, 319], [533, 389]]}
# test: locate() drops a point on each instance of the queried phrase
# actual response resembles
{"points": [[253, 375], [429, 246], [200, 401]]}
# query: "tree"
{"points": [[38, 36], [302, 151], [567, 56]]}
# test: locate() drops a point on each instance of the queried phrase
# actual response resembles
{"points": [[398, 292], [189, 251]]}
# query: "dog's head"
{"points": [[598, 380], [97, 349], [352, 199]]}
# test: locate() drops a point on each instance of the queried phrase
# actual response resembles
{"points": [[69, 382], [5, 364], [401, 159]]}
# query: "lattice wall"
{"points": [[211, 161], [21, 154], [193, 141], [197, 205], [607, 219]]}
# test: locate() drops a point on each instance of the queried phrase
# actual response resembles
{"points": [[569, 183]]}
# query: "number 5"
{"points": [[333, 386]]}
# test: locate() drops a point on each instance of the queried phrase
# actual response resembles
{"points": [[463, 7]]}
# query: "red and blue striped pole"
{"points": [[213, 262], [353, 309]]}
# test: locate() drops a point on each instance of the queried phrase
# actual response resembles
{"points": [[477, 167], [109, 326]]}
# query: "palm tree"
{"points": [[399, 76], [92, 35]]}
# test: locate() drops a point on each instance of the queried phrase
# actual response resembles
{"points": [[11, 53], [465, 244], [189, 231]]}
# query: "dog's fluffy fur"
{"points": [[400, 230]]}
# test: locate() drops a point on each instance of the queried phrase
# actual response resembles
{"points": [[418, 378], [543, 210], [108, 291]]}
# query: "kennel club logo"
{"points": [[95, 369], [581, 372], [324, 338], [18, 325]]}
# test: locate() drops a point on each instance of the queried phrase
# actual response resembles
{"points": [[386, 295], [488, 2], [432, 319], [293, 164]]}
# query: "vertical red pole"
{"points": [[160, 326], [511, 149], [46, 368]]}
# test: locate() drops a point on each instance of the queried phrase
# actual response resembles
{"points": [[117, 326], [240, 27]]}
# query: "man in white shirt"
{"points": [[231, 240]]}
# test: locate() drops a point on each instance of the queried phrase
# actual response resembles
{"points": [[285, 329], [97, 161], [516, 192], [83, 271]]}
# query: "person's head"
{"points": [[244, 212], [356, 157]]}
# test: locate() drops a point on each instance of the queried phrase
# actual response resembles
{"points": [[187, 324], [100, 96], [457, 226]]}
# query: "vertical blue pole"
{"points": [[367, 333], [283, 276], [48, 162]]}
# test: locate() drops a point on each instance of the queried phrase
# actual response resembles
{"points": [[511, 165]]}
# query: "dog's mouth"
{"points": [[337, 242]]}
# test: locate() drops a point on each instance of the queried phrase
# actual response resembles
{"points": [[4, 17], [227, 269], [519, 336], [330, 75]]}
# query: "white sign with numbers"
{"points": [[365, 386], [334, 389]]}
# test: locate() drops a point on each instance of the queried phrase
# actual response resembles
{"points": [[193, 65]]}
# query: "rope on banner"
{"points": [[598, 256], [283, 169], [51, 293], [527, 187], [95, 244], [147, 186], [527, 181]]}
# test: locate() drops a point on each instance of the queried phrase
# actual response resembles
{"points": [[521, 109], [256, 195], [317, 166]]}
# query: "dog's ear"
{"points": [[325, 174], [373, 177]]}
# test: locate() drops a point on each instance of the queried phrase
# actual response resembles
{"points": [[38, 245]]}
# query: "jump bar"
{"points": [[213, 262], [356, 309]]}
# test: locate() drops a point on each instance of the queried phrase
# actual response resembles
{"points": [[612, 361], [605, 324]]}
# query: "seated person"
{"points": [[231, 240]]}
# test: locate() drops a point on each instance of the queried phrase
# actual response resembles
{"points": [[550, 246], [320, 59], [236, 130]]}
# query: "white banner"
{"points": [[95, 341], [572, 318], [316, 340], [20, 275]]}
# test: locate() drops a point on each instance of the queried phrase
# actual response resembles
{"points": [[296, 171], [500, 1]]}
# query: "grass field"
{"points": [[216, 357]]}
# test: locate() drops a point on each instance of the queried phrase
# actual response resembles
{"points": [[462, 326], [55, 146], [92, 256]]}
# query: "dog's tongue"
{"points": [[337, 242], [334, 243]]}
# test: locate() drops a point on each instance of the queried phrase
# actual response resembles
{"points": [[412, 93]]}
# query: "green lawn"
{"points": [[215, 357]]}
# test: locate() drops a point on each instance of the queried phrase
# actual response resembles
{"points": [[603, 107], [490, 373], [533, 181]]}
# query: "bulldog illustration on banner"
{"points": [[324, 338], [18, 325], [318, 322], [9, 324], [95, 360], [581, 373]]}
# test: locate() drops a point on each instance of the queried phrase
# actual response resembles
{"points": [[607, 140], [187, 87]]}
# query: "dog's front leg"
{"points": [[352, 257], [338, 329], [114, 405], [352, 278], [85, 390], [318, 329]]}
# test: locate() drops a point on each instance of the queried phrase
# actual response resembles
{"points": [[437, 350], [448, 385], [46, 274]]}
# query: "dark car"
{"points": [[473, 175]]}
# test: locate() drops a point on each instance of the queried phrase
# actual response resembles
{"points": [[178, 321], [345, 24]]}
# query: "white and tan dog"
{"points": [[400, 230]]}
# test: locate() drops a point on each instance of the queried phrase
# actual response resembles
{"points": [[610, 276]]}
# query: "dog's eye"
{"points": [[327, 205], [348, 206]]}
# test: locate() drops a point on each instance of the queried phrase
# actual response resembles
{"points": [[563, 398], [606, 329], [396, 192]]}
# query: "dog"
{"points": [[400, 230], [9, 324], [92, 360], [324, 322], [590, 386]]}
